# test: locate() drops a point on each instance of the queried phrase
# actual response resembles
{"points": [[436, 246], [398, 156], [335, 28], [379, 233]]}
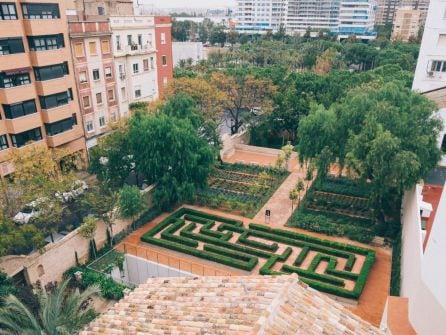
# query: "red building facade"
{"points": [[163, 38]]}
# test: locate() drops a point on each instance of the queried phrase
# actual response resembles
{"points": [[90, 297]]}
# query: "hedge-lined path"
{"points": [[280, 204], [371, 303]]}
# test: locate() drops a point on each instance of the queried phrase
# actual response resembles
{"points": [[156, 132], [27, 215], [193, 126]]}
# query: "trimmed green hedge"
{"points": [[217, 248]]}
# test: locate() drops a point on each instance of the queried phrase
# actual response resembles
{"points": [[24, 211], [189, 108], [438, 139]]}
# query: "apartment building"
{"points": [[385, 11], [95, 8], [38, 98], [164, 53], [407, 24], [343, 17], [135, 59], [95, 75]]}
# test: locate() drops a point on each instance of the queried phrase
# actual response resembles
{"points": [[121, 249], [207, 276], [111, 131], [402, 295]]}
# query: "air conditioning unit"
{"points": [[430, 73]]}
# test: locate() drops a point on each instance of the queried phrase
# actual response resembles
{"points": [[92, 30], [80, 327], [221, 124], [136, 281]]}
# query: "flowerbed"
{"points": [[186, 229]]}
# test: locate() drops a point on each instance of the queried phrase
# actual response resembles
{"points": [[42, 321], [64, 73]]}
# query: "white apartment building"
{"points": [[344, 17], [134, 53]]}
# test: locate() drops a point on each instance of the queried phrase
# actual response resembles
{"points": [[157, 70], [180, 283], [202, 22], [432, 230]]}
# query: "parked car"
{"points": [[78, 188], [29, 211]]}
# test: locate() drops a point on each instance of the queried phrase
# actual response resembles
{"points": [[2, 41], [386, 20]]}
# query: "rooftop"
{"points": [[228, 305]]}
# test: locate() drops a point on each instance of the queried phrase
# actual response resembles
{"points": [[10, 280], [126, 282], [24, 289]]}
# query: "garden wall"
{"points": [[229, 143], [60, 256]]}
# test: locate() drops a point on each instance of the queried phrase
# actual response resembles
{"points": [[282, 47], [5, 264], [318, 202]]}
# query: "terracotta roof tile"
{"points": [[228, 305]]}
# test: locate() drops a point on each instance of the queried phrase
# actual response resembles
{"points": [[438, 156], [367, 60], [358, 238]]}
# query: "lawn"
{"points": [[337, 206], [239, 188], [336, 268]]}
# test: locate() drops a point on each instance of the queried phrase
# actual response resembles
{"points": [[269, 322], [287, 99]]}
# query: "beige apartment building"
{"points": [[38, 98], [406, 24]]}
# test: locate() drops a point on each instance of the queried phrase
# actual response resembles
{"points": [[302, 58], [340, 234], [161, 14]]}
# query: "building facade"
{"points": [[406, 24], [164, 52], [298, 16], [95, 76], [38, 97], [385, 11], [135, 58]]}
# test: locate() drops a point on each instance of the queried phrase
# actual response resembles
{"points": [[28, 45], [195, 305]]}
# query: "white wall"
{"points": [[186, 50], [421, 280]]}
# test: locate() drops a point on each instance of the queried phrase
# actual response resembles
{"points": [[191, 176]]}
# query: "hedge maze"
{"points": [[331, 267]]}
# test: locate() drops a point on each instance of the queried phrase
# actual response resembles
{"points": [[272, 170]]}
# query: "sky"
{"points": [[190, 3]]}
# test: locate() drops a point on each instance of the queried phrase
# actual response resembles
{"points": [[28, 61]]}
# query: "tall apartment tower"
{"points": [[38, 98], [95, 75], [406, 24], [385, 11], [135, 58], [344, 17], [163, 41]]}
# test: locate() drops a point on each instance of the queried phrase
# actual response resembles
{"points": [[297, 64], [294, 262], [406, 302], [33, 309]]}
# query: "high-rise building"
{"points": [[164, 54], [407, 24], [95, 75], [385, 11], [352, 17], [38, 97], [135, 58]]}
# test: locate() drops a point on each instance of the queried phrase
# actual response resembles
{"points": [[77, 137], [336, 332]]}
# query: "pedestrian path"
{"points": [[280, 204]]}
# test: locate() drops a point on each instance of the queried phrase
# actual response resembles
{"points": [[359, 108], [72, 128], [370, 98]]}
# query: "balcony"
{"points": [[50, 57], [14, 61], [22, 124], [16, 94], [44, 26], [65, 137], [58, 113], [53, 86], [135, 49]]}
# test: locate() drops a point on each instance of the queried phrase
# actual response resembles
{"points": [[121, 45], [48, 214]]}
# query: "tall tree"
{"points": [[168, 151], [131, 203]]}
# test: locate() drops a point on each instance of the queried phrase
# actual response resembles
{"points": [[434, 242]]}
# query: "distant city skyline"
{"points": [[189, 4]]}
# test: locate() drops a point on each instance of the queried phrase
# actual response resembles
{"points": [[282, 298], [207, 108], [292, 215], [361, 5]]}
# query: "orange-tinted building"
{"points": [[38, 98], [163, 37]]}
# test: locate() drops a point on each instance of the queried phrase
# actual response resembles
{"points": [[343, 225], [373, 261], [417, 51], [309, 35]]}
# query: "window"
{"points": [[92, 48], [164, 60], [163, 38], [60, 126], [3, 142], [40, 11], [135, 68], [139, 39], [56, 100], [49, 72], [129, 39], [12, 45], [102, 121], [123, 94], [137, 92], [79, 50], [118, 42], [108, 72], [145, 64], [8, 11], [20, 109], [83, 77], [111, 95], [19, 140], [90, 126], [165, 81], [105, 44], [101, 10], [86, 101], [46, 42], [152, 63], [99, 98], [438, 66], [96, 74], [11, 79]]}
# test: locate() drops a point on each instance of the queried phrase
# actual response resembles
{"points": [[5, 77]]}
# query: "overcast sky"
{"points": [[190, 3]]}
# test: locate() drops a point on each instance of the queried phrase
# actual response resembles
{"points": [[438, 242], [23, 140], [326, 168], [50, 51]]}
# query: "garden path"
{"points": [[280, 204]]}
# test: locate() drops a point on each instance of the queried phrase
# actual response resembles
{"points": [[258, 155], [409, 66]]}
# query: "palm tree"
{"points": [[61, 312]]}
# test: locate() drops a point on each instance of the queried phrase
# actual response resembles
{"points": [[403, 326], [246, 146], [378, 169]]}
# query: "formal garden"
{"points": [[240, 188], [336, 268]]}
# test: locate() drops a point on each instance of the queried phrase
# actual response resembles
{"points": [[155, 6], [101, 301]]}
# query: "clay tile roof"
{"points": [[228, 305]]}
